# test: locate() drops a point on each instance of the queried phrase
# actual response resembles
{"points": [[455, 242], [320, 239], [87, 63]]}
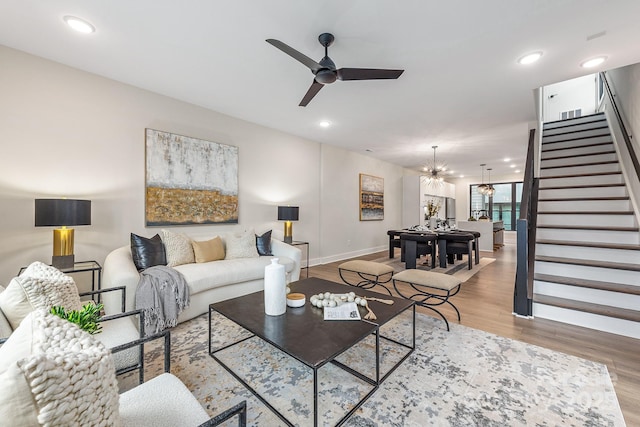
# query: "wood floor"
{"points": [[486, 302]]}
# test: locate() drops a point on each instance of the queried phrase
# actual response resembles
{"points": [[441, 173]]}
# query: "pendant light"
{"points": [[482, 188], [434, 172]]}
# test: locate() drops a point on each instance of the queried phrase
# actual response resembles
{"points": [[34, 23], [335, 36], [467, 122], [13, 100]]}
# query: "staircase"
{"points": [[587, 265]]}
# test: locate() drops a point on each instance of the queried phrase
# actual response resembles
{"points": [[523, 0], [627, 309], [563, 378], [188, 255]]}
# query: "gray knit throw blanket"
{"points": [[162, 294]]}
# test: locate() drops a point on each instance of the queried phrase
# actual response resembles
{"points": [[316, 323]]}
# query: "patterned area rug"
{"points": [[459, 269], [464, 377]]}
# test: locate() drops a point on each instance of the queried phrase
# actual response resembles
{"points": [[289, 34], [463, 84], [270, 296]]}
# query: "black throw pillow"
{"points": [[147, 252], [263, 243]]}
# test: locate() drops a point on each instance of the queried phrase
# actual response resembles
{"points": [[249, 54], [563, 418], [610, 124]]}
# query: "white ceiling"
{"points": [[461, 90]]}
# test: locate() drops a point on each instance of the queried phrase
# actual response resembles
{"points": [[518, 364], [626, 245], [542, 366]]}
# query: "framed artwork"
{"points": [[371, 198], [189, 180]]}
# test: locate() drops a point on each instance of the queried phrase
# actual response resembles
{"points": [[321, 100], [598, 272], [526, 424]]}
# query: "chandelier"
{"points": [[434, 171], [486, 189]]}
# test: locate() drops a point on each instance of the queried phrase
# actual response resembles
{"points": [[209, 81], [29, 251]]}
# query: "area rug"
{"points": [[464, 377], [459, 269]]}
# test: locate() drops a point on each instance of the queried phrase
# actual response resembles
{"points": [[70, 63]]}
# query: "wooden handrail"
{"points": [[625, 134], [527, 183], [526, 231]]}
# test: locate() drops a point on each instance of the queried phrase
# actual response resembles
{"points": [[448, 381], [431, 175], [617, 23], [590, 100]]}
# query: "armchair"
{"points": [[54, 373], [43, 286]]}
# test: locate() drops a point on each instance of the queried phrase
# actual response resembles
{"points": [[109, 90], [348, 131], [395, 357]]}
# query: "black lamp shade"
{"points": [[288, 213], [62, 212]]}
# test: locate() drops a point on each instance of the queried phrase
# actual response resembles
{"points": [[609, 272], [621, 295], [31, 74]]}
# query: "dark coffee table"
{"points": [[303, 334]]}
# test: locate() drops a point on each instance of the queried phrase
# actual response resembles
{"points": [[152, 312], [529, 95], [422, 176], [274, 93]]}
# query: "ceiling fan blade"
{"points": [[313, 90], [367, 74], [313, 65]]}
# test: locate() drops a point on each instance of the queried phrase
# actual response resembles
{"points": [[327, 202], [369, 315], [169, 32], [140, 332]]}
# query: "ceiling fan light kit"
{"points": [[325, 71]]}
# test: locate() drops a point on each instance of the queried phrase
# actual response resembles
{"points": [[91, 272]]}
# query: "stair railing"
{"points": [[628, 157], [526, 236]]}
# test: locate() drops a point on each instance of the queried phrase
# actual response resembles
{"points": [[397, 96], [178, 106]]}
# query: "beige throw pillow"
{"points": [[39, 286], [61, 376], [241, 244], [209, 250], [178, 248]]}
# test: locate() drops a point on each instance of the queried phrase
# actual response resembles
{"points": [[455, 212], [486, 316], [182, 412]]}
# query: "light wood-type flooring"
{"points": [[486, 303]]}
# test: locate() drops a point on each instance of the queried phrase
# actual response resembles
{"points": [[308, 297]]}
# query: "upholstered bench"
{"points": [[431, 289], [369, 274]]}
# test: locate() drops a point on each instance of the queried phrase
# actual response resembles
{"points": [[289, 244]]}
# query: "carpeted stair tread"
{"points": [[588, 307], [589, 263], [591, 284], [629, 247]]}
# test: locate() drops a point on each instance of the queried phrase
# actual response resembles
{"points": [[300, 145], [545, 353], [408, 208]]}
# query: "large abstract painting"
{"points": [[189, 180], [371, 198]]}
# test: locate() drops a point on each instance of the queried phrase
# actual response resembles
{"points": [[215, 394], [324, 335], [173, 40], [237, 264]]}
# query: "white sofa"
{"points": [[208, 282]]}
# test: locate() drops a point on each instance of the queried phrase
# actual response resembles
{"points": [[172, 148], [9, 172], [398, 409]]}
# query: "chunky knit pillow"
{"points": [[178, 248], [39, 286], [66, 378]]}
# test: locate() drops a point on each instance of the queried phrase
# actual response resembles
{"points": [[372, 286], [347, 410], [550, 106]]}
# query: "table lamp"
{"points": [[288, 214], [64, 213]]}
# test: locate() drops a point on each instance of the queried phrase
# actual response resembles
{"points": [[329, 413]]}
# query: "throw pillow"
{"points": [[61, 375], [263, 243], [241, 244], [147, 252], [39, 286], [178, 248], [209, 250]]}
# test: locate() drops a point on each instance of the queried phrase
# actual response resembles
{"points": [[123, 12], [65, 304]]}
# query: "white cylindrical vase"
{"points": [[433, 222], [275, 289]]}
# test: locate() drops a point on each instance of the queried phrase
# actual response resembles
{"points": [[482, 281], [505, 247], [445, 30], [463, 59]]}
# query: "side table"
{"points": [[306, 244], [81, 266]]}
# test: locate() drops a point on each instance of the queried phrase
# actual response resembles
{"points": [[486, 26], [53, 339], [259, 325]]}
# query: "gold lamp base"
{"points": [[63, 248], [288, 231]]}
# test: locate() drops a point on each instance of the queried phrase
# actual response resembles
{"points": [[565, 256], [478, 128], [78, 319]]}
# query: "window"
{"points": [[503, 206]]}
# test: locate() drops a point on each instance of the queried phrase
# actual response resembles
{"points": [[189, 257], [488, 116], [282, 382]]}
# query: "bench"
{"points": [[369, 274], [429, 289]]}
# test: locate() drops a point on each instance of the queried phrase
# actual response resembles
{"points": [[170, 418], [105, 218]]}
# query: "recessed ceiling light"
{"points": [[506, 159], [593, 62], [80, 25], [517, 170], [461, 176], [530, 58], [324, 124]]}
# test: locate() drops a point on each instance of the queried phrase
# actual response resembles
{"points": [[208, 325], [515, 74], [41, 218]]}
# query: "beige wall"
{"points": [[65, 132]]}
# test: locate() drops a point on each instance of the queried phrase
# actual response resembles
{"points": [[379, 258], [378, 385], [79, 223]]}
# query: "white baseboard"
{"points": [[347, 255]]}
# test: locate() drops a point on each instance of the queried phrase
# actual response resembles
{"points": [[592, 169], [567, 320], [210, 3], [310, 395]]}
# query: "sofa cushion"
{"points": [[178, 248], [240, 244], [55, 367], [208, 250], [209, 275], [147, 252], [39, 286], [263, 244]]}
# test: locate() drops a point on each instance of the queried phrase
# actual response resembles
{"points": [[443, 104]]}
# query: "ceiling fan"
{"points": [[326, 72]]}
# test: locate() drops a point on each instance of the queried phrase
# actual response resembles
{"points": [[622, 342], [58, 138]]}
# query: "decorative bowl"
{"points": [[295, 299]]}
